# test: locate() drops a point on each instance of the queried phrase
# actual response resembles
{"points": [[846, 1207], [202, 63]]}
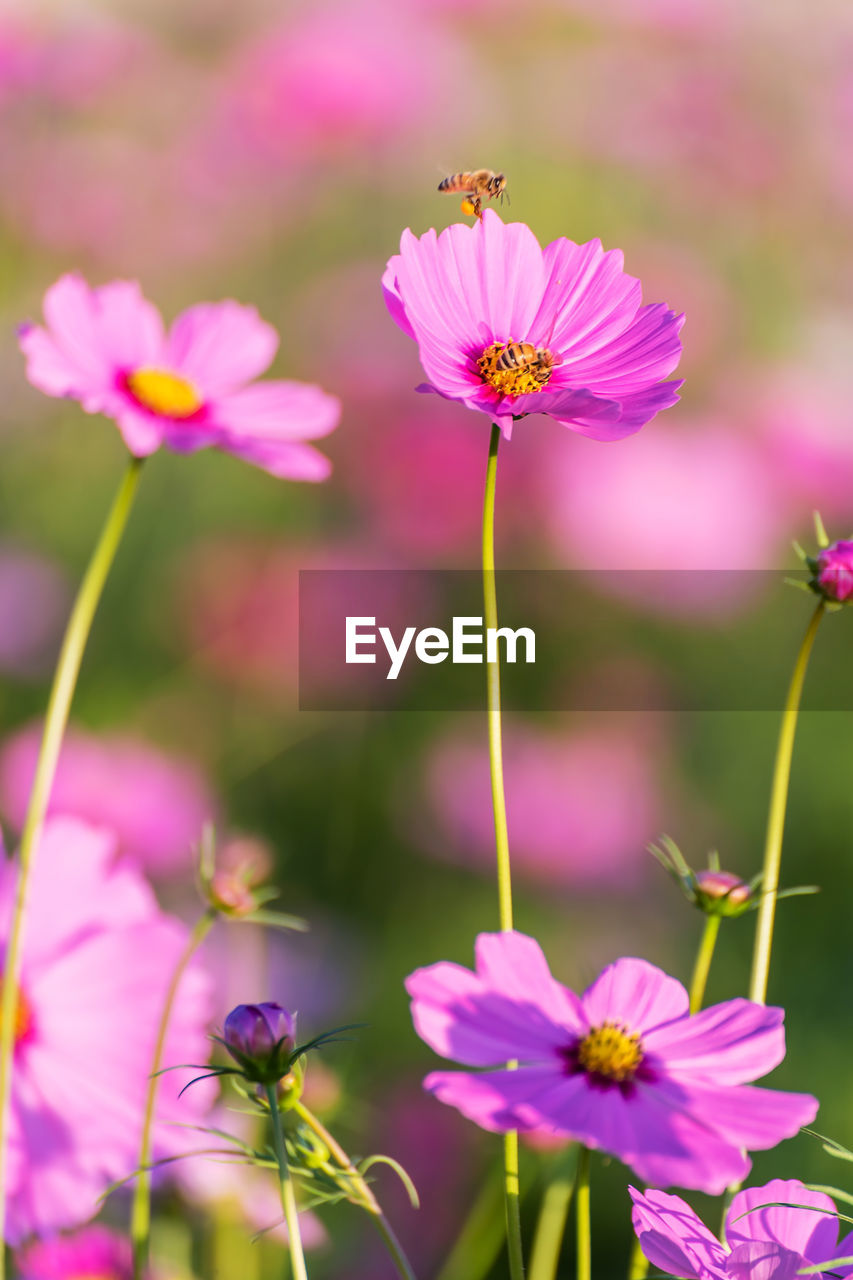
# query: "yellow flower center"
{"points": [[514, 368], [23, 1016], [610, 1052], [164, 393]]}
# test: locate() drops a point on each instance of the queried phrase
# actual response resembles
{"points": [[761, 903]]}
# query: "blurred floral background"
{"points": [[273, 152]]}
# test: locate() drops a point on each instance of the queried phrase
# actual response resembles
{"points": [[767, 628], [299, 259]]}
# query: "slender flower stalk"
{"points": [[584, 1233], [288, 1197], [638, 1264], [702, 966], [493, 690], [496, 773], [551, 1224], [776, 816], [58, 707], [140, 1218], [368, 1199]]}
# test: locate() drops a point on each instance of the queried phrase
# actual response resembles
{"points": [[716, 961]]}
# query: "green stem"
{"points": [[551, 1225], [513, 1205], [638, 1263], [392, 1244], [583, 1219], [493, 690], [703, 962], [288, 1196], [56, 718], [776, 817], [140, 1218], [369, 1201], [493, 703]]}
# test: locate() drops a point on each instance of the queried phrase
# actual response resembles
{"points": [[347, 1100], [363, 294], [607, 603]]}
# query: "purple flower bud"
{"points": [[260, 1039], [834, 575], [721, 893]]}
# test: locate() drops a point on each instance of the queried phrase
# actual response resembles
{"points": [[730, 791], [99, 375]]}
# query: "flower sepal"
{"points": [[713, 891]]}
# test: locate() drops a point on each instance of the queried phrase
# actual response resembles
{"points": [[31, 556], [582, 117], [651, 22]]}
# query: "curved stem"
{"points": [[776, 817], [288, 1196], [56, 718], [493, 704], [369, 1201], [140, 1218], [551, 1225], [702, 966], [584, 1270]]}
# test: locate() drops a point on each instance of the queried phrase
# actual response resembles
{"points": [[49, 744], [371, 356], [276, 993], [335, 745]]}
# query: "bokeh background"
{"points": [[273, 152]]}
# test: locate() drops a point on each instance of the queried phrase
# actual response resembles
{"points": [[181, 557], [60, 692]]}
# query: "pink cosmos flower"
{"points": [[95, 1253], [155, 804], [467, 294], [768, 1243], [624, 1067], [835, 571], [564, 825], [188, 388], [97, 958]]}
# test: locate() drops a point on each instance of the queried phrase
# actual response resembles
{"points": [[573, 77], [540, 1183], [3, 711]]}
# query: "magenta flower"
{"points": [[770, 1243], [154, 803], [260, 1038], [834, 577], [97, 958], [188, 388], [94, 1253], [624, 1067], [594, 357]]}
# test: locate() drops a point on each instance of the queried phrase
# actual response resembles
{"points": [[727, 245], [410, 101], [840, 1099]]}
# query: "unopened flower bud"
{"points": [[721, 892], [260, 1039], [834, 572], [242, 865]]}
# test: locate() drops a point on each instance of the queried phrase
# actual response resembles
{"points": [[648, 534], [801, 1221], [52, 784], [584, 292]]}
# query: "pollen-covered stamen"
{"points": [[516, 368], [164, 393], [610, 1052]]}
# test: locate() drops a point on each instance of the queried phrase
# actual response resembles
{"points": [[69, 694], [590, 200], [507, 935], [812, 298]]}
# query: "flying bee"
{"points": [[538, 361], [476, 186]]}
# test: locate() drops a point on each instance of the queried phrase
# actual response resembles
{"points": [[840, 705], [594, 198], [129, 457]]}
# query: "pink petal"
{"points": [[77, 885], [471, 286], [759, 1260], [588, 299], [277, 411], [393, 300], [496, 1100], [636, 994], [813, 1235], [130, 327], [67, 357], [674, 1239], [462, 1017], [731, 1043], [142, 432], [220, 346], [645, 352], [285, 461], [753, 1118], [514, 965], [569, 406]]}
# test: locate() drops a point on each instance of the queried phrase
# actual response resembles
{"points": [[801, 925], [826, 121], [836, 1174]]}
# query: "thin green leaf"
{"points": [[278, 920]]}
